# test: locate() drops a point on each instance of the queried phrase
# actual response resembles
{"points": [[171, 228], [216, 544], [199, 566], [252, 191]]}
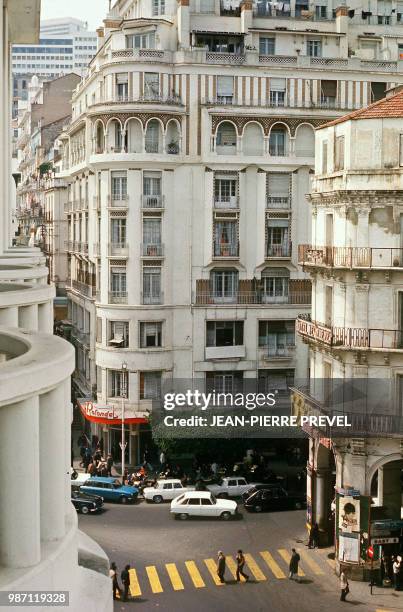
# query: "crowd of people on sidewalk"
{"points": [[93, 460]]}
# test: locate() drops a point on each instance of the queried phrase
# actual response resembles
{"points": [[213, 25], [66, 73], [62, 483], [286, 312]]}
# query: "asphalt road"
{"points": [[146, 536]]}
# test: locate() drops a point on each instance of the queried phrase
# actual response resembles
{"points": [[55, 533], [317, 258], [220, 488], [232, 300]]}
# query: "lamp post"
{"points": [[123, 394]]}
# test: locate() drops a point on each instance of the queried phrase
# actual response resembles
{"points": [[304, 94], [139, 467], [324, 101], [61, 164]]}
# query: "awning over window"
{"points": [[109, 415]]}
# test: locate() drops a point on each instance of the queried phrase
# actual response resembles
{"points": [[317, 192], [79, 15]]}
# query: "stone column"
{"points": [[28, 317], [320, 503], [67, 410], [45, 317], [9, 316], [19, 477], [51, 462]]}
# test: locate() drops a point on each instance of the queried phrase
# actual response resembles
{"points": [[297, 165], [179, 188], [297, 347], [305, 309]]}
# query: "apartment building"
{"points": [[40, 544], [355, 331], [189, 156]]}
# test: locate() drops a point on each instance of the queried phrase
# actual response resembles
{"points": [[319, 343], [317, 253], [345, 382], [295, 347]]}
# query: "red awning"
{"points": [[108, 415]]}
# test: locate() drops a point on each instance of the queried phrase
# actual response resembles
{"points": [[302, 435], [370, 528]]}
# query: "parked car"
{"points": [[86, 503], [165, 490], [273, 499], [110, 489], [257, 487], [232, 486], [202, 503], [77, 479]]}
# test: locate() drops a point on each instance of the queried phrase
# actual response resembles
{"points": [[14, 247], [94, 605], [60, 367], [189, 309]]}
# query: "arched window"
{"points": [[153, 141], [278, 142], [172, 138], [305, 142], [134, 136], [252, 140], [226, 139]]}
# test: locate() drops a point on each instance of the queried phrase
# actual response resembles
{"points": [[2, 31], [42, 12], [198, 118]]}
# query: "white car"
{"points": [[233, 486], [165, 490], [202, 503]]}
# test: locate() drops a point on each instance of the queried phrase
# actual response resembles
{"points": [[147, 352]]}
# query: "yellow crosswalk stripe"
{"points": [[173, 574], [231, 564], [286, 556], [135, 590], [153, 577], [275, 568], [312, 564], [254, 568], [212, 568], [194, 574]]}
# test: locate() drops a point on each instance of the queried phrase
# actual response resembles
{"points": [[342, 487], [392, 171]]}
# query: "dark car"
{"points": [[264, 476], [273, 499], [257, 487], [86, 503]]}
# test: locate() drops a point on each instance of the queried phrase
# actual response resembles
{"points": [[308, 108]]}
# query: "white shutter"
{"points": [[279, 184], [122, 77], [225, 85], [277, 84]]}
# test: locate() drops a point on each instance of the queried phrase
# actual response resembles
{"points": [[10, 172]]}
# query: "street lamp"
{"points": [[123, 395]]}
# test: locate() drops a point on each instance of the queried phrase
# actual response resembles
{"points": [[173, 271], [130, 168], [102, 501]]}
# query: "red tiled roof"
{"points": [[387, 107]]}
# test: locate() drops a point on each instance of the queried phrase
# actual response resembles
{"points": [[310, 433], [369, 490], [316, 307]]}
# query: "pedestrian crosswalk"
{"points": [[262, 566]]}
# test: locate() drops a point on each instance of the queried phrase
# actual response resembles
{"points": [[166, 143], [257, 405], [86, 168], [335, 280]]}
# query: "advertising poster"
{"points": [[349, 515]]}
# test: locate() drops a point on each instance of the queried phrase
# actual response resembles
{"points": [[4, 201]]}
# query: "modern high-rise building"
{"points": [[189, 158], [40, 544]]}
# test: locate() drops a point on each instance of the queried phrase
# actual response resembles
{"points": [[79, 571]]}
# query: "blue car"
{"points": [[110, 489]]}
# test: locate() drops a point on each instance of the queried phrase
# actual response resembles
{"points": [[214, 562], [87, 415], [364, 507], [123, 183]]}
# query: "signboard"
{"points": [[384, 541], [349, 548], [349, 514], [348, 491], [108, 414]]}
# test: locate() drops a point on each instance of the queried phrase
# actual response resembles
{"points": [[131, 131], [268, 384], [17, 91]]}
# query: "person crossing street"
{"points": [[240, 564], [293, 567], [221, 565]]}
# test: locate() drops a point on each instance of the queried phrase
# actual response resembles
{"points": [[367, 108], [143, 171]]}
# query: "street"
{"points": [[172, 561]]}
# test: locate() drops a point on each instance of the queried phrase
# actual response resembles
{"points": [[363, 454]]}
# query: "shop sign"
{"points": [[384, 540]]}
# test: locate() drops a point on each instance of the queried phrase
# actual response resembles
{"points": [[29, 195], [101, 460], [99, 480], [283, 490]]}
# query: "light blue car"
{"points": [[110, 489]]}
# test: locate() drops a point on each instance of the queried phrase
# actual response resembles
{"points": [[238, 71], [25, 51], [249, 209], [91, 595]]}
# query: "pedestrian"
{"points": [[344, 588], [162, 461], [221, 563], [396, 572], [293, 567], [109, 464], [125, 577], [314, 536], [240, 564], [113, 573], [214, 468]]}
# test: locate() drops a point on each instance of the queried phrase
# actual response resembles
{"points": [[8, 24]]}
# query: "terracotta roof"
{"points": [[391, 106]]}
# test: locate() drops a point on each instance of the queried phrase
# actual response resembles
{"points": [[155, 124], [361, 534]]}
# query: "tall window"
{"points": [[224, 333], [151, 85], [225, 89], [277, 142], [267, 46], [328, 93], [119, 334], [118, 231], [278, 336], [141, 41], [339, 153], [224, 284], [321, 12], [122, 86], [278, 189], [225, 238], [152, 139], [314, 48], [152, 189], [152, 235], [324, 157], [150, 334], [118, 384], [119, 185], [275, 282], [277, 92], [152, 285], [225, 190], [158, 7], [150, 385], [278, 242], [118, 282]]}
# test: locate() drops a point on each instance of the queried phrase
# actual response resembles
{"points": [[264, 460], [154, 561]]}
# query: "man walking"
{"points": [[240, 564], [314, 536], [293, 567], [125, 576], [221, 563], [113, 573], [344, 588]]}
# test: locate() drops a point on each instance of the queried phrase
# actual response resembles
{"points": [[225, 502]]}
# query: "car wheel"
{"points": [[157, 499], [298, 505], [183, 516], [123, 500], [258, 508], [226, 516], [84, 509]]}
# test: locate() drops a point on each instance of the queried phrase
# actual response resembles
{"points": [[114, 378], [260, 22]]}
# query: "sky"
{"points": [[93, 11]]}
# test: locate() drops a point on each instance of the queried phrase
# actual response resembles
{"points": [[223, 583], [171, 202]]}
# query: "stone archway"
{"points": [[386, 485]]}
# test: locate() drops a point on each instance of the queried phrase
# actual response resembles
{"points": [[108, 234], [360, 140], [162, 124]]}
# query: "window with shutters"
{"points": [[118, 334], [122, 86], [225, 89], [118, 384], [226, 139], [277, 92], [314, 48], [278, 185], [150, 385], [328, 93], [151, 85], [274, 285], [150, 334], [119, 185], [152, 293], [339, 153], [278, 243], [224, 333], [267, 46]]}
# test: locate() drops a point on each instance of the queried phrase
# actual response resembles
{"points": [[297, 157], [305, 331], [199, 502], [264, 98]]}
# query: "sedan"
{"points": [[202, 504], [110, 489], [86, 503], [273, 499]]}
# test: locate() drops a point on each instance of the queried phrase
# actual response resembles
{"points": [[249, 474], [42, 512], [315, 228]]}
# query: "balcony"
{"points": [[225, 352], [278, 202], [278, 251], [220, 57], [225, 201], [226, 250], [259, 298], [350, 337], [118, 201], [83, 288], [150, 55], [152, 250], [118, 297], [350, 257], [147, 298], [278, 352], [118, 249], [152, 201]]}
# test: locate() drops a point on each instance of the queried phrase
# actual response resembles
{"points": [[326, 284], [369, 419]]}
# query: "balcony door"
{"points": [[329, 230], [329, 306]]}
